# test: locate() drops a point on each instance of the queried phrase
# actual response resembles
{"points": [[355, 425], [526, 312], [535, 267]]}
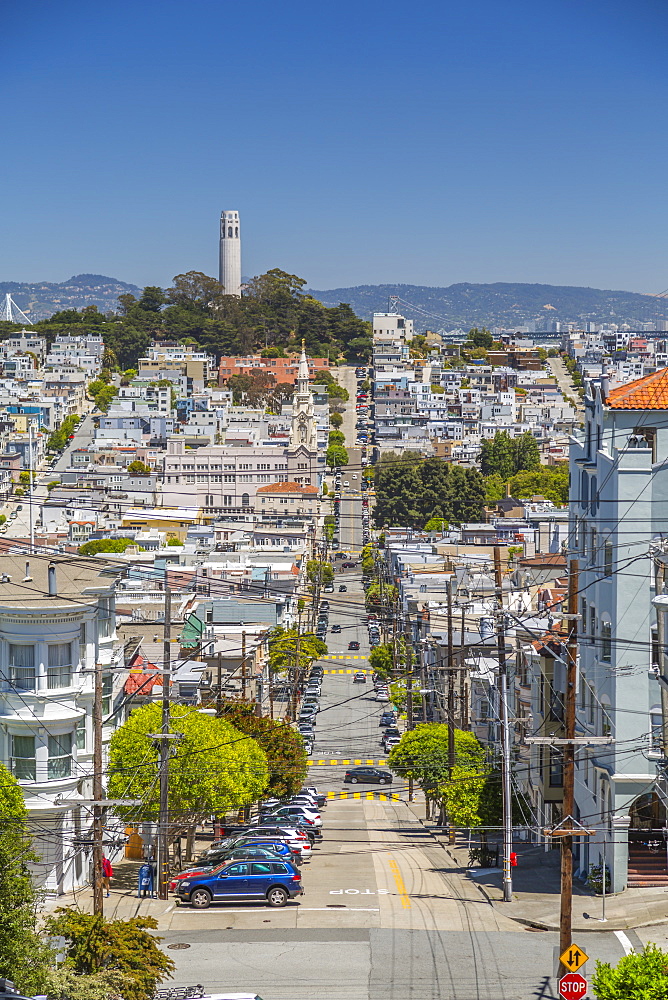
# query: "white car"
{"points": [[354, 475], [346, 483], [382, 696]]}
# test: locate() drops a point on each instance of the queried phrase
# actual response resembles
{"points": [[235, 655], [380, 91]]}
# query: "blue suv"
{"points": [[274, 881]]}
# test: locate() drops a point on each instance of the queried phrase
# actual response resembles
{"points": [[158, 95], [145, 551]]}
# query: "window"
{"points": [[593, 543], [60, 756], [656, 725], [59, 669], [592, 623], [107, 691], [80, 733], [607, 559], [23, 758], [241, 871], [606, 642], [22, 667], [104, 617], [556, 767], [261, 868], [245, 500]]}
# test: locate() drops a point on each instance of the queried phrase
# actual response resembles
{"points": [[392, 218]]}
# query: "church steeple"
{"points": [[303, 429]]}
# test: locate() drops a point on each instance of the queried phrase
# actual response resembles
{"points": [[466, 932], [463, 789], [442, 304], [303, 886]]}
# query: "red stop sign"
{"points": [[572, 986]]}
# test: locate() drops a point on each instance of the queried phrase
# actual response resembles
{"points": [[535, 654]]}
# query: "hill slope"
{"points": [[41, 299], [500, 304]]}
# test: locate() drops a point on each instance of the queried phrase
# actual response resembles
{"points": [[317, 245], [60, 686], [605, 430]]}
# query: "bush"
{"points": [[638, 976]]}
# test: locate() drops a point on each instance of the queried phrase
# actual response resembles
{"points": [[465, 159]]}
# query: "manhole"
{"points": [[179, 946]]}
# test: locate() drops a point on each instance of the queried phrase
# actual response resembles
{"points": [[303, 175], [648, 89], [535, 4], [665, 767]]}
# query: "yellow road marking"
{"points": [[345, 762], [358, 762], [399, 882], [333, 762], [356, 795], [369, 795]]}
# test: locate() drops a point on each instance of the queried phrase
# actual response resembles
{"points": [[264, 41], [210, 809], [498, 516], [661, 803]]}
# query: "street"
{"points": [[384, 915]]}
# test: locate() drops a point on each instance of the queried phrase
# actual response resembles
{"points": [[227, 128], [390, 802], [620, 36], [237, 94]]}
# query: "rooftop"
{"points": [[78, 582], [648, 393], [288, 488]]}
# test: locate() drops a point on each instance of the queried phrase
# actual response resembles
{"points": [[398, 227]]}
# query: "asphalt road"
{"points": [[384, 915]]}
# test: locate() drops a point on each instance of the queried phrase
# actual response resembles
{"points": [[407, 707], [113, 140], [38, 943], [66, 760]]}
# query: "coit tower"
{"points": [[230, 253]]}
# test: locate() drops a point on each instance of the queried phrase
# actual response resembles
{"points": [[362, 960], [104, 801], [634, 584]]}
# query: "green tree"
{"points": [[58, 439], [283, 649], [336, 419], [436, 524], [337, 437], [96, 945], [138, 468], [380, 660], [368, 559], [527, 454], [479, 338], [214, 769], [283, 747], [638, 976], [336, 456], [23, 956], [105, 545], [497, 456], [319, 572]]}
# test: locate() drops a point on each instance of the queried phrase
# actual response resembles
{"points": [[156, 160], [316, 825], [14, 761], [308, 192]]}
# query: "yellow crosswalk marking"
{"points": [[358, 761], [369, 762], [345, 762], [369, 795], [383, 798], [330, 795], [357, 795], [333, 762]]}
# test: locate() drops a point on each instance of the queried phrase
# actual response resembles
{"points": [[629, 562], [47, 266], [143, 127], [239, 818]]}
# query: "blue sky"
{"points": [[362, 142]]}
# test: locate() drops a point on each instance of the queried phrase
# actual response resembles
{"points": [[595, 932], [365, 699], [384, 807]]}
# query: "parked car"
{"points": [[342, 590], [367, 775], [284, 832], [274, 881], [336, 628], [348, 565], [387, 719], [298, 811]]}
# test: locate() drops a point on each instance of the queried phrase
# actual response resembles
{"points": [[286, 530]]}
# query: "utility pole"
{"points": [[451, 700], [297, 670], [463, 694], [163, 828], [565, 916], [31, 465], [243, 665], [219, 687], [409, 687], [505, 726], [98, 824]]}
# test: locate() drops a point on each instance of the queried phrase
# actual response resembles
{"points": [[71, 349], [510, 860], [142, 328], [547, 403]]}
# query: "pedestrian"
{"points": [[107, 873]]}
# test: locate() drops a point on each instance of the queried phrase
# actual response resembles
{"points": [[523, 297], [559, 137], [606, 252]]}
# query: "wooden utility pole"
{"points": [[505, 732], [98, 823], [243, 665], [451, 700], [408, 665], [565, 916], [163, 826], [219, 690], [463, 693]]}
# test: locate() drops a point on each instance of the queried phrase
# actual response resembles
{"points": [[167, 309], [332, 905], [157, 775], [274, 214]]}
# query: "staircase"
{"points": [[645, 868]]}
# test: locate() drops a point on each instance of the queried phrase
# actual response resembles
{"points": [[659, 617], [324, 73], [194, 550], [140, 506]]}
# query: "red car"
{"points": [[348, 565]]}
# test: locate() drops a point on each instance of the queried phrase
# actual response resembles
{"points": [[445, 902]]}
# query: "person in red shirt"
{"points": [[107, 872]]}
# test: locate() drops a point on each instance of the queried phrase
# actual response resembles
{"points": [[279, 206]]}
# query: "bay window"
{"points": [[23, 758], [22, 666], [59, 666], [60, 756]]}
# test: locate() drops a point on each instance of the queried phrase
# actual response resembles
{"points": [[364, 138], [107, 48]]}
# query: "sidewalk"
{"points": [[122, 904], [536, 890]]}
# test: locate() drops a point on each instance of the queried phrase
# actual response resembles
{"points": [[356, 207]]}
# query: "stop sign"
{"points": [[572, 986]]}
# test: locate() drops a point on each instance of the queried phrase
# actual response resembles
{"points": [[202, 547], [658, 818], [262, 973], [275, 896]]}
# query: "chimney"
{"points": [[53, 587], [27, 578]]}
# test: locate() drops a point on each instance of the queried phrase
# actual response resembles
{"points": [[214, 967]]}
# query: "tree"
{"points": [[215, 768], [336, 419], [337, 437], [436, 524], [105, 545], [527, 455], [58, 439], [23, 956], [479, 338], [97, 945], [138, 468], [368, 559], [496, 456], [336, 456], [380, 659], [319, 572], [638, 976], [283, 747], [422, 754]]}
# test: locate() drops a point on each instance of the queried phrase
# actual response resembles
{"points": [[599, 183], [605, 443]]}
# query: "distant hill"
{"points": [[41, 299], [501, 304]]}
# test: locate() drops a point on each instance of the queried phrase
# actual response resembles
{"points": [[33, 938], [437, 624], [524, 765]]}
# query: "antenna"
{"points": [[10, 312]]}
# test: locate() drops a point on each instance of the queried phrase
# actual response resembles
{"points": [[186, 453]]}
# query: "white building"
{"points": [[619, 503], [57, 619]]}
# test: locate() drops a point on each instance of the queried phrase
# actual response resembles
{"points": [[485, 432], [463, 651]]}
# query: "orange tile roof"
{"points": [[647, 393], [287, 488]]}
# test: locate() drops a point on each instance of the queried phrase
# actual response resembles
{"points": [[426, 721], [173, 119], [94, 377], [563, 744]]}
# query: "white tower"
{"points": [[303, 430], [229, 273]]}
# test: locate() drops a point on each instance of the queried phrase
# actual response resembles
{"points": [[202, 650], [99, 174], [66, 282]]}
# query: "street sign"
{"points": [[573, 958], [572, 986]]}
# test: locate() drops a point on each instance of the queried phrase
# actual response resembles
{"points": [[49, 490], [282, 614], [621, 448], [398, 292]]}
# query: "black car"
{"points": [[342, 588], [353, 644], [336, 628], [368, 776]]}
